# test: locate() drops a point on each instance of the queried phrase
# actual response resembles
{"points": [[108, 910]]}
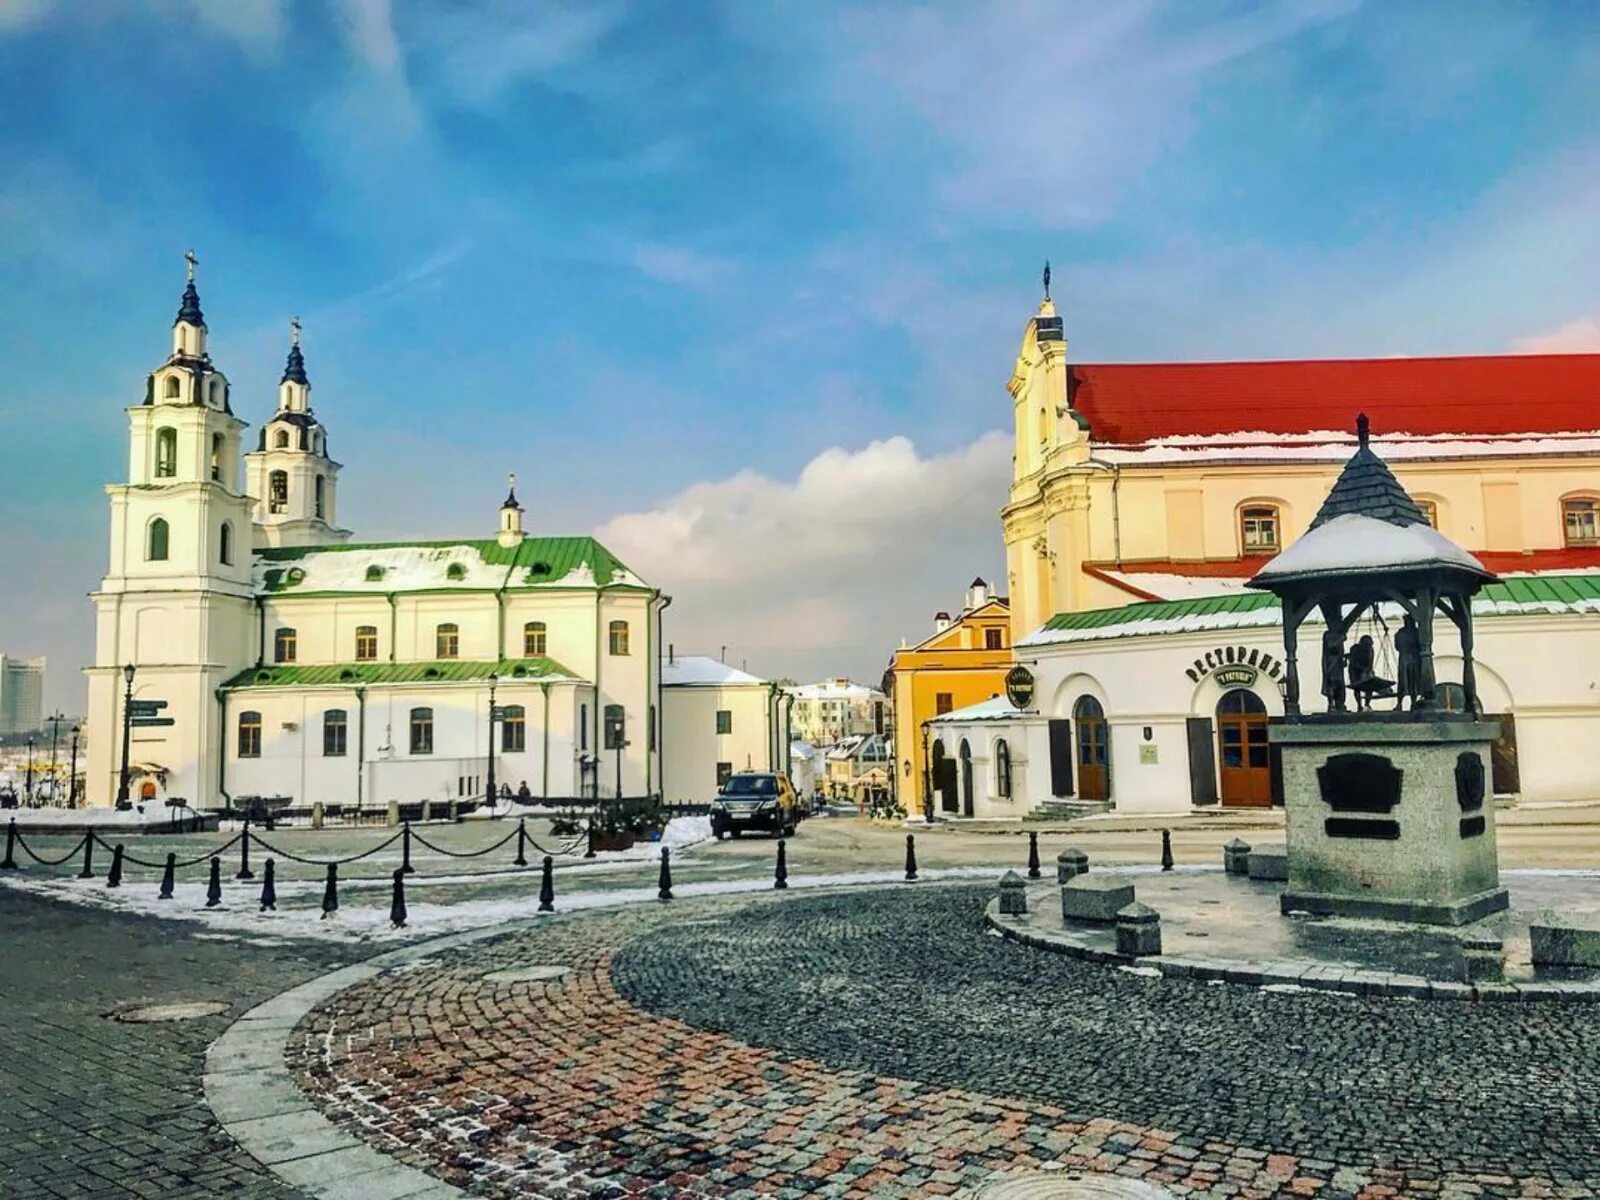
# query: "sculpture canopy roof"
{"points": [[1369, 528]]}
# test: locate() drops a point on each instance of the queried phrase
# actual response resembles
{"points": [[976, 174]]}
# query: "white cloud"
{"points": [[680, 266], [1581, 336], [829, 570]]}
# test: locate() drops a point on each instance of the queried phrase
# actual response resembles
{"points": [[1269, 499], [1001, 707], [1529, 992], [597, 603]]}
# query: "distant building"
{"points": [[835, 709], [964, 661], [722, 720], [858, 770], [21, 694]]}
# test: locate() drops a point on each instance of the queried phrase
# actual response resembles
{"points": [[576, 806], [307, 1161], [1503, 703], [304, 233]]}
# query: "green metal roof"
{"points": [[511, 670], [532, 563], [1163, 610]]}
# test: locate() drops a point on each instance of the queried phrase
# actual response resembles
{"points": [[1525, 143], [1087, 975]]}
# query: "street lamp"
{"points": [[55, 763], [28, 786], [493, 679], [72, 776], [127, 734]]}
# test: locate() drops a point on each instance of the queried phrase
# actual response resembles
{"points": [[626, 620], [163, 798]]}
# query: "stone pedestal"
{"points": [[1236, 857], [1095, 898], [1390, 818], [1070, 863], [1013, 895], [1138, 930]]}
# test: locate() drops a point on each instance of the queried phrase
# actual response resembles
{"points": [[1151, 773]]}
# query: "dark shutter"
{"points": [[1276, 765], [1202, 761], [1503, 757], [1061, 751]]}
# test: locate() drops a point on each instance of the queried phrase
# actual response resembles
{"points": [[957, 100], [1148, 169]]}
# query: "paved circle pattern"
{"points": [[883, 1045], [1073, 1186]]}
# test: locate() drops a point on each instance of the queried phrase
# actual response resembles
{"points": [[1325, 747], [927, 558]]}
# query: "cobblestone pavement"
{"points": [[91, 1107], [880, 1044]]}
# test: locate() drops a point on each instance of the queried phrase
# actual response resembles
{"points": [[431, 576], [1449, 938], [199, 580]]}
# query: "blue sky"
{"points": [[740, 285]]}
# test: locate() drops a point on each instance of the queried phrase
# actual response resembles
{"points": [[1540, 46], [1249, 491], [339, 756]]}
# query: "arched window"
{"points": [[172, 387], [619, 637], [615, 727], [284, 645], [156, 542], [249, 735], [166, 452], [280, 440], [1002, 769], [366, 643], [216, 393], [225, 544], [278, 492], [216, 457], [514, 730], [533, 640], [1580, 520], [1260, 529], [335, 733], [447, 641], [321, 503], [422, 731]]}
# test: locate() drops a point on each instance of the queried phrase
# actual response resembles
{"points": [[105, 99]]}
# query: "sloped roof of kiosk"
{"points": [[1367, 525]]}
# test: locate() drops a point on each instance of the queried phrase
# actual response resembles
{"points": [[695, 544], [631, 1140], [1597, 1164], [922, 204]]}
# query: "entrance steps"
{"points": [[1067, 810]]}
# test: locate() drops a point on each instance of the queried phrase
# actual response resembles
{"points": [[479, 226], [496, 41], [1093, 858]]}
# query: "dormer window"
{"points": [[374, 573], [456, 571], [172, 387]]}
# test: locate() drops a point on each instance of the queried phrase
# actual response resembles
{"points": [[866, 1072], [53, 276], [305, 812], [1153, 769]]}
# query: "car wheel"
{"points": [[734, 833], [717, 833]]}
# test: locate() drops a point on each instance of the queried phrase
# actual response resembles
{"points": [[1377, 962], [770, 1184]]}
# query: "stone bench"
{"points": [[1565, 945], [1094, 898], [1271, 865]]}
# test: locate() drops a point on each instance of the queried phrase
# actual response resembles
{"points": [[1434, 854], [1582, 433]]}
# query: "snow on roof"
{"points": [[834, 689], [378, 568], [699, 670], [1329, 447], [1162, 585], [995, 708], [1353, 542]]}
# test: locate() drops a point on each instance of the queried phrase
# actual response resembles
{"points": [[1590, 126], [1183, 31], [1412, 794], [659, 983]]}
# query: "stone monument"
{"points": [[1389, 811]]}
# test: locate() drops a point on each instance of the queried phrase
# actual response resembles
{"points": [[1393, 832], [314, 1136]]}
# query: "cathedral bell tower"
{"points": [[291, 477], [175, 603]]}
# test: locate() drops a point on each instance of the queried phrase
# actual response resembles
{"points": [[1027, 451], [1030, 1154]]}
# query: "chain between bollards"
{"points": [[169, 874], [1033, 854], [547, 886], [269, 889], [405, 849], [780, 873], [244, 854], [88, 857], [114, 876], [330, 892], [664, 890], [397, 902], [1166, 849], [911, 858], [10, 862], [214, 887]]}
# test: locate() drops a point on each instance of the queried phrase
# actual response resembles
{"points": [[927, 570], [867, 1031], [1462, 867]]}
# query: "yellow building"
{"points": [[964, 662]]}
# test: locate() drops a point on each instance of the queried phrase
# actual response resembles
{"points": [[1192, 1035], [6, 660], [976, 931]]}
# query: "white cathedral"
{"points": [[297, 663]]}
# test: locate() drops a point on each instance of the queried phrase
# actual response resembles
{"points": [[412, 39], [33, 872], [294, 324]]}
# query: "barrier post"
{"points": [[1033, 854], [664, 889], [780, 873], [88, 857], [214, 886], [1166, 849], [397, 902], [330, 892], [405, 849], [244, 854], [168, 877], [911, 858], [114, 876], [10, 862], [547, 886], [269, 889], [522, 842]]}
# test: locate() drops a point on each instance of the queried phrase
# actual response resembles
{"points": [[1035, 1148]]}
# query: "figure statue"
{"points": [[1333, 669], [1408, 658], [1361, 660]]}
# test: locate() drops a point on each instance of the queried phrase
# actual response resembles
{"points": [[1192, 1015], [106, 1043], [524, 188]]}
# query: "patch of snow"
{"points": [[699, 670], [996, 708], [1354, 542], [137, 819], [1337, 447], [1175, 587], [1146, 972], [405, 568]]}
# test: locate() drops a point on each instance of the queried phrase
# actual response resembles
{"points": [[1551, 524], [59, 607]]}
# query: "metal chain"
{"points": [[51, 862], [417, 837], [178, 864], [323, 862]]}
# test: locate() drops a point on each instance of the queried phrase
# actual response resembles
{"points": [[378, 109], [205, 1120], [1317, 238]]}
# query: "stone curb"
{"points": [[257, 1103], [1310, 975]]}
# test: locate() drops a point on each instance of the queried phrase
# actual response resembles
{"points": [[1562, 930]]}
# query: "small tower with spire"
{"points": [[291, 477], [511, 533]]}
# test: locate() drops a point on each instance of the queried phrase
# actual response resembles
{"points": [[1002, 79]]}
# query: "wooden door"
{"points": [[1246, 757], [1094, 750]]}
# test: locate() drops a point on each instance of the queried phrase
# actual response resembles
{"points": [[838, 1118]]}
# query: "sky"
{"points": [[737, 287]]}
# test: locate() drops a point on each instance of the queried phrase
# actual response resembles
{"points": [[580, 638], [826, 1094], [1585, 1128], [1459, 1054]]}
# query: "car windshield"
{"points": [[750, 785]]}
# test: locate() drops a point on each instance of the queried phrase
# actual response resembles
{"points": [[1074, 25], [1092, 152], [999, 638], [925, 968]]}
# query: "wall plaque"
{"points": [[1469, 782], [1019, 686]]}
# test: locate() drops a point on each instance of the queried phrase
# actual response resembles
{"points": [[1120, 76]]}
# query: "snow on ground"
{"points": [[100, 816]]}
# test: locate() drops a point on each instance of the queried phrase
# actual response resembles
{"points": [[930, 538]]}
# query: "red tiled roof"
{"points": [[1128, 403], [1501, 562]]}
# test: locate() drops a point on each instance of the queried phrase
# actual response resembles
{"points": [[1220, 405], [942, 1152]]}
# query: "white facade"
{"points": [[828, 712], [295, 664], [719, 720]]}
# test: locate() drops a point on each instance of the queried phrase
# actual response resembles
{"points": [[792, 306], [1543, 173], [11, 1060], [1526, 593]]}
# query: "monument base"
{"points": [[1390, 819]]}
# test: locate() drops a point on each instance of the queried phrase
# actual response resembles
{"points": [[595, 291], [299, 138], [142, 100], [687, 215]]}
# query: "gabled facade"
{"points": [[722, 720]]}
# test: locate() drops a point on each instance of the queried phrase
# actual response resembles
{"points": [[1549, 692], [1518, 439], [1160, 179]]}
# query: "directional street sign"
{"points": [[497, 713], [145, 708], [147, 722]]}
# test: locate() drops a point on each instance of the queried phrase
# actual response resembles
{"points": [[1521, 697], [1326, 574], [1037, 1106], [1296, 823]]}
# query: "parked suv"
{"points": [[751, 800]]}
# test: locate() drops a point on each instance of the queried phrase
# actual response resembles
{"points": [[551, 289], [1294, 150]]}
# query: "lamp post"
{"points": [[493, 679], [55, 763], [72, 772], [127, 734], [28, 786]]}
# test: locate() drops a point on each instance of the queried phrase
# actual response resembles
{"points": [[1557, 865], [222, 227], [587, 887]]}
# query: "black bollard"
{"points": [[168, 877], [664, 891], [397, 905], [214, 885], [10, 863], [114, 876], [244, 855], [1166, 849], [1033, 854], [405, 849], [330, 892], [547, 886], [88, 857], [522, 843], [780, 873], [269, 889], [911, 858]]}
